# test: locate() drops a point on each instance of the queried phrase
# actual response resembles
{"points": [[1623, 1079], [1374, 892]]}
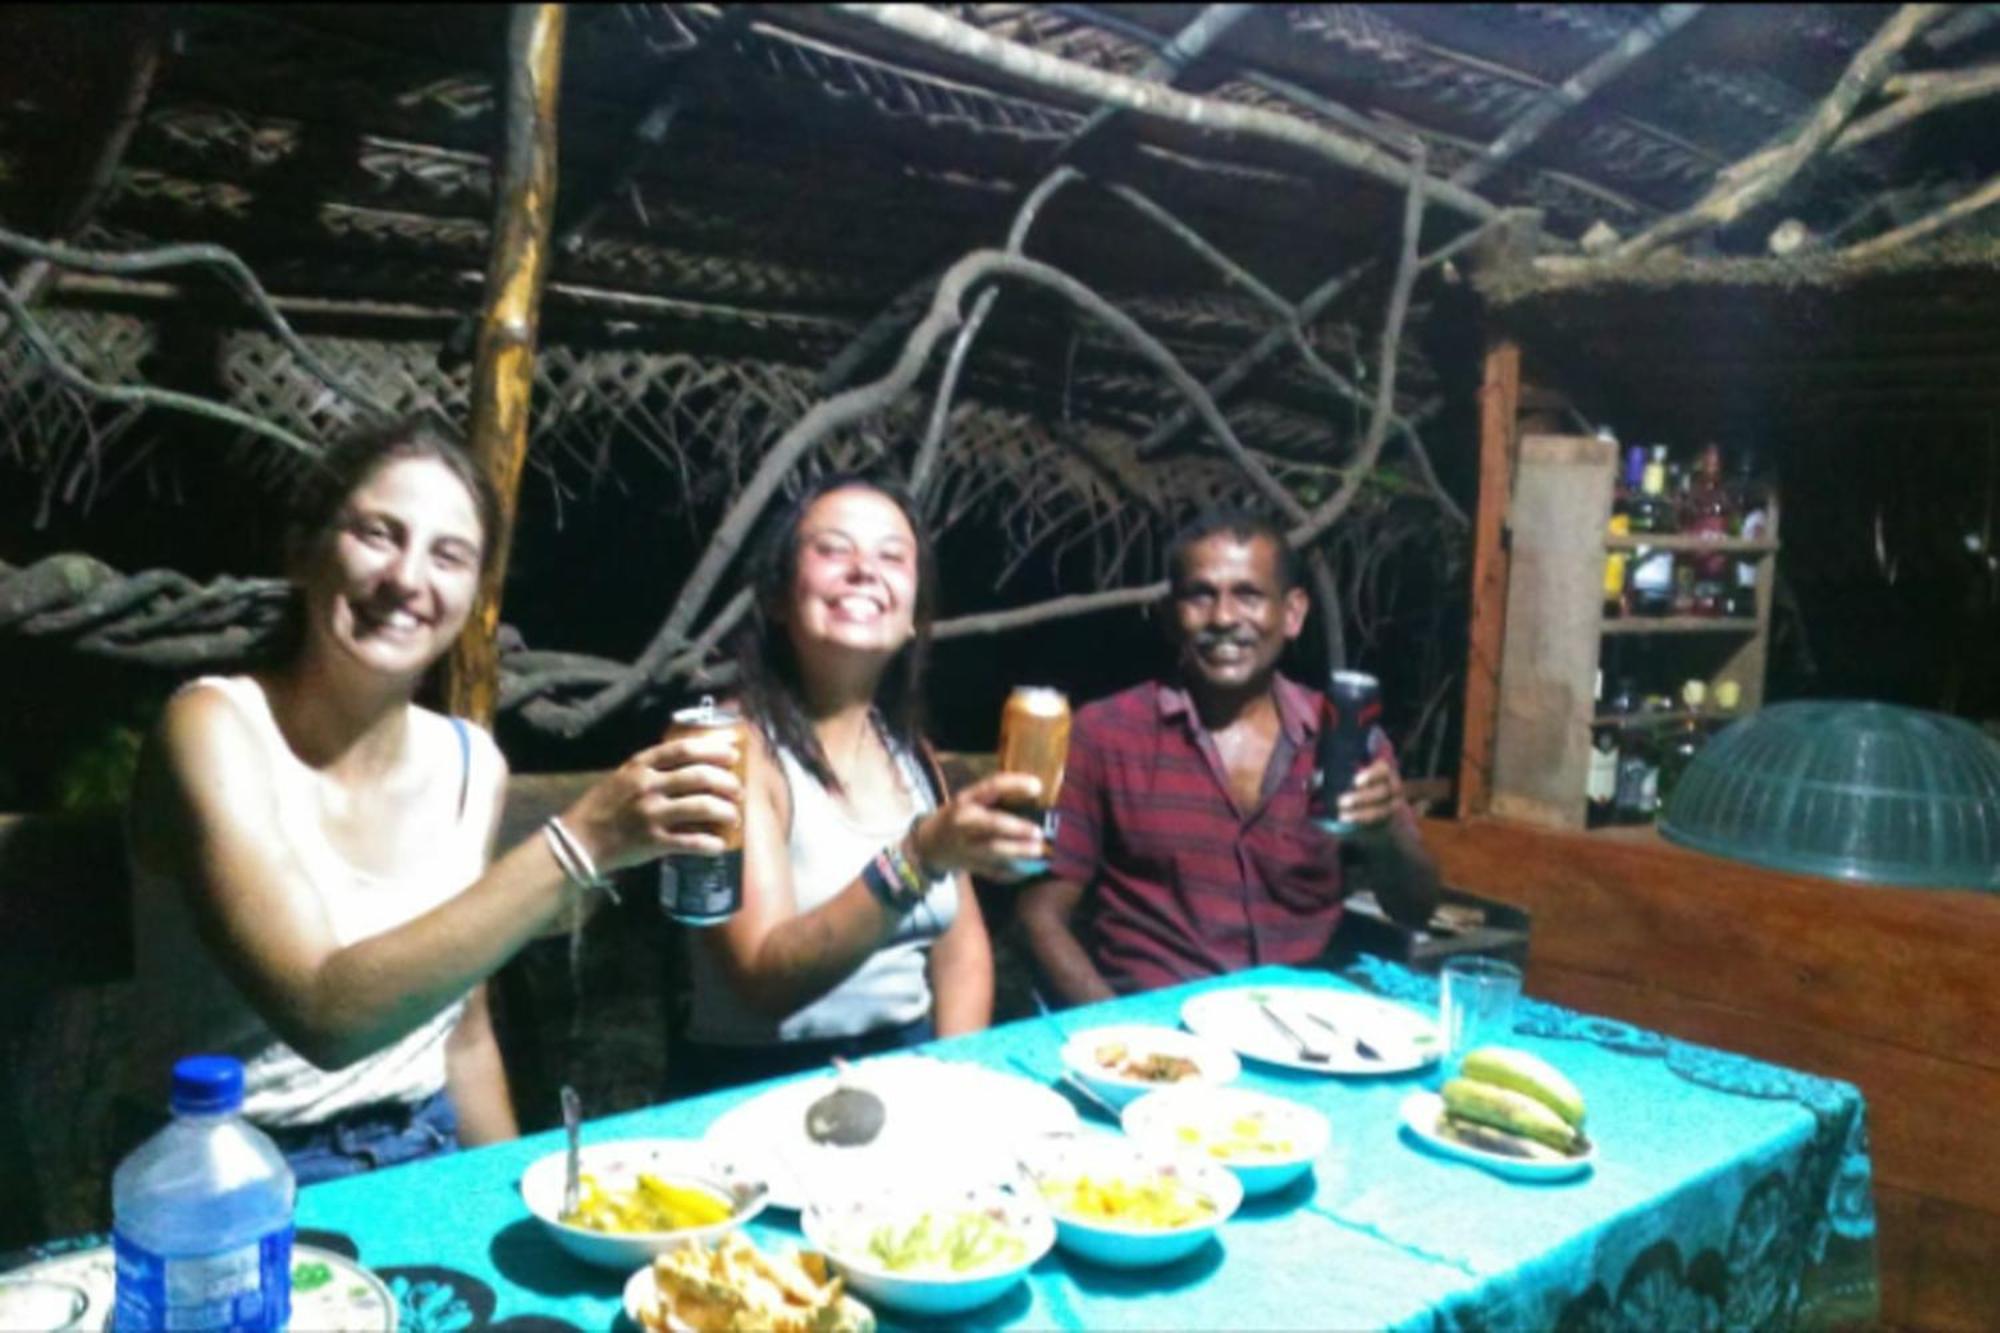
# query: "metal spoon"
{"points": [[572, 1113], [847, 1117], [1070, 1083]]}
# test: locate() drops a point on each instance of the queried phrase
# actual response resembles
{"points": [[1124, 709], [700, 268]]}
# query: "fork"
{"points": [[1309, 1050]]}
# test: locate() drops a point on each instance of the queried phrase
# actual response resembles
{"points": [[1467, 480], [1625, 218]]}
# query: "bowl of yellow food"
{"points": [[640, 1198], [1130, 1205], [1266, 1142], [931, 1251], [1129, 1060]]}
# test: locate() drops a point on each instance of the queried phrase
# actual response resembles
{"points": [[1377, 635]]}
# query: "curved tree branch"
{"points": [[140, 395], [233, 269]]}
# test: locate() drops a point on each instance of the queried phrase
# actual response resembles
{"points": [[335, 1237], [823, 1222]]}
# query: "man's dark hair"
{"points": [[1244, 526], [772, 689]]}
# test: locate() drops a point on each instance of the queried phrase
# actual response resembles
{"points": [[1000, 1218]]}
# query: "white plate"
{"points": [[1423, 1110], [941, 1116], [1215, 1063], [1403, 1038], [350, 1297]]}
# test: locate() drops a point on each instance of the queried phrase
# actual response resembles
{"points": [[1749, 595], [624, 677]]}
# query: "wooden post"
{"points": [[1499, 404], [503, 376]]}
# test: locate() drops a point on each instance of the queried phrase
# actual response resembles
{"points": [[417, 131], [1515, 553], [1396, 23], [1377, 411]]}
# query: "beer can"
{"points": [[698, 889], [1346, 746], [1034, 738]]}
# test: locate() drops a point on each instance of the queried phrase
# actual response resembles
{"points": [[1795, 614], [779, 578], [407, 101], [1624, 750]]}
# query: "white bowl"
{"points": [[838, 1230], [1191, 1118], [1217, 1063], [616, 1165], [1121, 1245]]}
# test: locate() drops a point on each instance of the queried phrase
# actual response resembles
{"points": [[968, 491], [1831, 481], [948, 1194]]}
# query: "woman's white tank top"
{"points": [[185, 1002], [828, 848]]}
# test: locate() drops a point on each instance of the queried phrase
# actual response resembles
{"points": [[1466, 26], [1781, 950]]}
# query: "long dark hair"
{"points": [[768, 667]]}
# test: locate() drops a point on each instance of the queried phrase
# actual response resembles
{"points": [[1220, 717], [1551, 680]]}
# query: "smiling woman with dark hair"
{"points": [[859, 931], [309, 846]]}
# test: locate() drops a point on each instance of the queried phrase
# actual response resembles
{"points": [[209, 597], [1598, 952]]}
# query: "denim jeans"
{"points": [[386, 1134]]}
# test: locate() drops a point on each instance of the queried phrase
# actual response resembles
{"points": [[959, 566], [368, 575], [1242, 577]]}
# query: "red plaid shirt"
{"points": [[1178, 882]]}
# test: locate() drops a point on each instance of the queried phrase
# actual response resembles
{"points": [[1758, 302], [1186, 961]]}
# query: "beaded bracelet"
{"points": [[893, 880], [577, 867]]}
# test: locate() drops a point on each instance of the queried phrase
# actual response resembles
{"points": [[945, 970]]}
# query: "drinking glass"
{"points": [[1476, 1004]]}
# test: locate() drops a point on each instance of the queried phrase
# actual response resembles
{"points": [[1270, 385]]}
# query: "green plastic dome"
{"points": [[1865, 792]]}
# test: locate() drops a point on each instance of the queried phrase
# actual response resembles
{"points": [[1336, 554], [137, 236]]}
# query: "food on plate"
{"points": [[1160, 1200], [1121, 1061], [1512, 1103], [1529, 1075], [652, 1204], [1243, 1135], [732, 1285], [955, 1244]]}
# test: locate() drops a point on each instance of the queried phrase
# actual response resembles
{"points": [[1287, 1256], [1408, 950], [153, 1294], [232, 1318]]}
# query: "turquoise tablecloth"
{"points": [[1728, 1194]]}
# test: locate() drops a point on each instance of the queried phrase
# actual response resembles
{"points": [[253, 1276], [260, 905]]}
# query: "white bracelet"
{"points": [[577, 867]]}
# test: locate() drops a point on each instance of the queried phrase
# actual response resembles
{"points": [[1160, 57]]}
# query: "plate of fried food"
{"points": [[729, 1283], [1122, 1062]]}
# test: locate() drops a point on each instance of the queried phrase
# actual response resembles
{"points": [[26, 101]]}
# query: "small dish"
{"points": [[1421, 1112], [1361, 1035], [1227, 1125], [616, 1165], [1085, 1056], [1103, 1158], [842, 1231]]}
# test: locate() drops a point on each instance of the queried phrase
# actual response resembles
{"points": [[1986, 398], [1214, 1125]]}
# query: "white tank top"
{"points": [[828, 849], [186, 1004]]}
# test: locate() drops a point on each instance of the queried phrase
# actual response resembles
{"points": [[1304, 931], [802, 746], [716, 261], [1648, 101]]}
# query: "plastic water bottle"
{"points": [[202, 1214]]}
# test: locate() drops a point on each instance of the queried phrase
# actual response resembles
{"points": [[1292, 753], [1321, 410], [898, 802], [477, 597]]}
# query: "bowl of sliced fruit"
{"points": [[931, 1251], [1123, 1063], [1129, 1205], [640, 1198], [1266, 1142]]}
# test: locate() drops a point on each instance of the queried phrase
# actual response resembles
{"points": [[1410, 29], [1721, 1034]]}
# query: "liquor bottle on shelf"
{"points": [[1629, 801], [1728, 695], [1705, 513], [1652, 580], [1616, 601], [1750, 519], [1677, 750], [1601, 782]]}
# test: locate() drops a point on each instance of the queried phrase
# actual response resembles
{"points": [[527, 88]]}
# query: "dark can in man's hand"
{"points": [[697, 889], [1346, 746]]}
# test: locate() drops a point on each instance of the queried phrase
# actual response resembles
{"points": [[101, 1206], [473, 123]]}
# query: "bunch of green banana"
{"points": [[1511, 1102]]}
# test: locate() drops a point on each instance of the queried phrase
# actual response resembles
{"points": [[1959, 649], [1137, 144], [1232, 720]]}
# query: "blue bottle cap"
{"points": [[207, 1084]]}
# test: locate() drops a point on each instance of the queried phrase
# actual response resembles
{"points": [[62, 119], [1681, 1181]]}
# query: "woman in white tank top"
{"points": [[309, 846], [859, 929]]}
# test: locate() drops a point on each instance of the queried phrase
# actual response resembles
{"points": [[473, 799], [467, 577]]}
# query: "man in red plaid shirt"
{"points": [[1183, 848]]}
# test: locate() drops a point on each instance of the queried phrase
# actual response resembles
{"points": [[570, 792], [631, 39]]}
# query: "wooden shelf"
{"points": [[1674, 541], [1682, 625], [1675, 715]]}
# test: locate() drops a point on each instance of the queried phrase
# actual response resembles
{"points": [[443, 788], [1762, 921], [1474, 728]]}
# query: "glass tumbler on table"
{"points": [[1475, 1005]]}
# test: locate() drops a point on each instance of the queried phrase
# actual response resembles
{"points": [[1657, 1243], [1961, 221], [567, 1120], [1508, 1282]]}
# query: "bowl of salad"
{"points": [[1125, 1062], [932, 1252], [1130, 1205], [1266, 1142]]}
